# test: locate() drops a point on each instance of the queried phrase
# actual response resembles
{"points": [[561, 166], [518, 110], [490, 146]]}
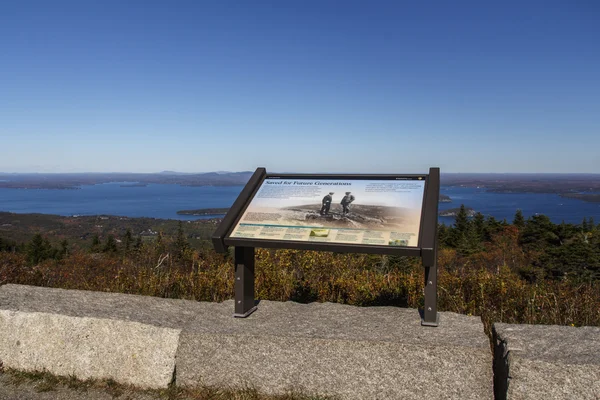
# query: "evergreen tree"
{"points": [[38, 249], [127, 240], [469, 242], [138, 244], [51, 252], [479, 226], [444, 235], [111, 245], [584, 225], [7, 245], [95, 244], [591, 224], [461, 225], [181, 244], [565, 232], [539, 233], [492, 227], [461, 221], [519, 220], [64, 248]]}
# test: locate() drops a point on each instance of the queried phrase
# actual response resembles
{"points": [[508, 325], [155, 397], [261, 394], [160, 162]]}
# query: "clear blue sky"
{"points": [[300, 86]]}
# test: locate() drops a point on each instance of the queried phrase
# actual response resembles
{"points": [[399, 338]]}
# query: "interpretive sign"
{"points": [[382, 214], [357, 211]]}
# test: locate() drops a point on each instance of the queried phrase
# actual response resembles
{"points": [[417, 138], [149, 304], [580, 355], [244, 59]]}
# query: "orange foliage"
{"points": [[484, 284]]}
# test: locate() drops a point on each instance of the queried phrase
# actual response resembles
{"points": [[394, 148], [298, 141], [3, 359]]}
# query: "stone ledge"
{"points": [[130, 339], [351, 352], [147, 310], [127, 352], [546, 362], [320, 348]]}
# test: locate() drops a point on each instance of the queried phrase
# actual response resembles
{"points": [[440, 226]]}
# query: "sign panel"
{"points": [[383, 211]]}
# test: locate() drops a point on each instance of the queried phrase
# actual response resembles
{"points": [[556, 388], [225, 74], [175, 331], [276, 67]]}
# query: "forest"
{"points": [[524, 271]]}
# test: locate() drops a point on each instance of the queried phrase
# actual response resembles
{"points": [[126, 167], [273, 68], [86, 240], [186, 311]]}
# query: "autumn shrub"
{"points": [[485, 284]]}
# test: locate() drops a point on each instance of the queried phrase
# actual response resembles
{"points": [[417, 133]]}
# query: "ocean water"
{"points": [[154, 200], [504, 205], [163, 201]]}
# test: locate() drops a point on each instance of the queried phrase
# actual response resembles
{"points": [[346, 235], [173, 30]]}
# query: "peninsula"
{"points": [[589, 197], [445, 198], [75, 181], [204, 211], [453, 212]]}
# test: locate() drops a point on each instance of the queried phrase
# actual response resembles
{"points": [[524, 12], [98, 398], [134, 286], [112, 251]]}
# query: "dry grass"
{"points": [[484, 284], [46, 382]]}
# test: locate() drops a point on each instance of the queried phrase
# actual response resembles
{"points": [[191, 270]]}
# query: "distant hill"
{"points": [[526, 183], [572, 184], [175, 173], [74, 181]]}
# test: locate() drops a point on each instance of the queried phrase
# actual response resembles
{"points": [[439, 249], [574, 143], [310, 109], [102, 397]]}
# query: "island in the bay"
{"points": [[453, 212], [589, 197], [133, 185], [204, 211]]}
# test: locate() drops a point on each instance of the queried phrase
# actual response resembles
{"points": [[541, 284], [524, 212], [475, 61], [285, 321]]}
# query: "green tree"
{"points": [[565, 232], [181, 243], [578, 260], [469, 242], [8, 245], [138, 244], [539, 233], [95, 244], [584, 225], [461, 221], [492, 227], [111, 245], [444, 235], [38, 249], [479, 226], [64, 248], [460, 228], [127, 240], [519, 220]]}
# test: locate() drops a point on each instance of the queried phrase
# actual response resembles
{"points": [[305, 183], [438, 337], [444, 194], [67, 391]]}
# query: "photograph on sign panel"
{"points": [[377, 212]]}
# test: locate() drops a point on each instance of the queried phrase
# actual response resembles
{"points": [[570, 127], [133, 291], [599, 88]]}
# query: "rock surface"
{"points": [[546, 362], [319, 348], [333, 349], [78, 333]]}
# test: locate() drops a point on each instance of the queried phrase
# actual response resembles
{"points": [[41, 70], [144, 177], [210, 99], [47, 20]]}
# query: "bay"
{"points": [[153, 200], [163, 201], [504, 205]]}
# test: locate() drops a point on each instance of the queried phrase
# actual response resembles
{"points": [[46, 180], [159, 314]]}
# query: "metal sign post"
{"points": [[244, 282], [429, 248], [244, 228]]}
